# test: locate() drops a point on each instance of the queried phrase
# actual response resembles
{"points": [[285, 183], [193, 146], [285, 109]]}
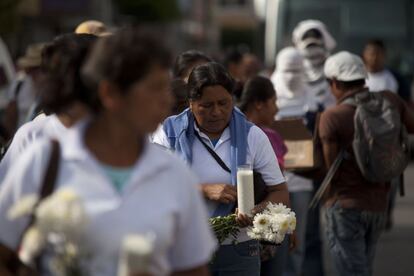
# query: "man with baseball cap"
{"points": [[355, 207]]}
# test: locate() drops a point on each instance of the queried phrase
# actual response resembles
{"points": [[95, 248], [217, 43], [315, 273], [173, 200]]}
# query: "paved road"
{"points": [[395, 251]]}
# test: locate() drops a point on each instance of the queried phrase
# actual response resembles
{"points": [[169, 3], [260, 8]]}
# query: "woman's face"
{"points": [[213, 110], [148, 101], [269, 111]]}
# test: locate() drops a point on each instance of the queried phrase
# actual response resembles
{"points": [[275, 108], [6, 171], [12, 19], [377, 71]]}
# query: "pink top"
{"points": [[278, 145]]}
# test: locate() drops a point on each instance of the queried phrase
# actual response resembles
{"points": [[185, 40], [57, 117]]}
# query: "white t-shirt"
{"points": [[161, 197], [41, 126], [380, 81], [260, 156], [321, 93]]}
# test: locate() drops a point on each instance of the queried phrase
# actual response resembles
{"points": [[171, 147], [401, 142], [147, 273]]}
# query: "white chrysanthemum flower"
{"points": [[270, 237], [279, 238], [33, 242], [292, 223], [23, 207], [261, 222], [278, 208], [63, 212], [273, 223], [280, 222]]}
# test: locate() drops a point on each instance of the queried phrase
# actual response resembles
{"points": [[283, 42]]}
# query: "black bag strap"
{"points": [[327, 180], [17, 89], [49, 182], [214, 154]]}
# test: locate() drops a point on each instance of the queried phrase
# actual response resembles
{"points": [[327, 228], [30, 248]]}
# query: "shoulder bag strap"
{"points": [[49, 181], [17, 89], [214, 154], [327, 180]]}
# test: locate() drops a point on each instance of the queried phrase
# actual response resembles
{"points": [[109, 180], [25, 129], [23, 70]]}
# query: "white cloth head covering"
{"points": [[290, 84], [345, 66], [309, 24]]}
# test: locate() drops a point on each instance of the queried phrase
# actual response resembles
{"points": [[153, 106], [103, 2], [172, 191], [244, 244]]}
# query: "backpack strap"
{"points": [[350, 101], [327, 180], [48, 184]]}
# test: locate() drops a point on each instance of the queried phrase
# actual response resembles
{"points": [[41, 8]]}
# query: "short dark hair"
{"points": [[123, 59], [186, 60], [179, 90], [376, 43], [256, 89], [208, 74], [62, 60], [233, 55]]}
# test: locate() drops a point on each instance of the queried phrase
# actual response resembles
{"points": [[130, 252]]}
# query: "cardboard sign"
{"points": [[300, 144]]}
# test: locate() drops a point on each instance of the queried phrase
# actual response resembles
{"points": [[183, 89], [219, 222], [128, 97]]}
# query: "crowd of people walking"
{"points": [[151, 144]]}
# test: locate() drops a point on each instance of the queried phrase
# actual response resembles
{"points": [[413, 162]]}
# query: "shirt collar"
{"points": [[224, 136], [74, 149]]}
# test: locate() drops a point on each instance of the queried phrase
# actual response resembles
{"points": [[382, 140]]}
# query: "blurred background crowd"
{"points": [[248, 37]]}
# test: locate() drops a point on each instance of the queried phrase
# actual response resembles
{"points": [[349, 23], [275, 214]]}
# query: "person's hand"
{"points": [[293, 241], [243, 220], [222, 193], [259, 207]]}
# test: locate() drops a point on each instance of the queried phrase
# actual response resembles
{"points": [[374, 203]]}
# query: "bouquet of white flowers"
{"points": [[59, 221], [272, 224]]}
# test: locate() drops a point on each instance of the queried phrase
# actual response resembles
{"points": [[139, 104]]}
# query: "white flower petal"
{"points": [[23, 207]]}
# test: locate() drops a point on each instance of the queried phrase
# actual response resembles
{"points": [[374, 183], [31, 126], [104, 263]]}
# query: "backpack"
{"points": [[380, 144]]}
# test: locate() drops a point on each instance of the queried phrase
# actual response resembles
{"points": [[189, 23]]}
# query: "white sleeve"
{"points": [[194, 241], [264, 157], [159, 137], [22, 179]]}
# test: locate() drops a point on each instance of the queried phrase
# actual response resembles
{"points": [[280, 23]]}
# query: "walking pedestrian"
{"points": [[128, 186], [213, 124], [355, 206]]}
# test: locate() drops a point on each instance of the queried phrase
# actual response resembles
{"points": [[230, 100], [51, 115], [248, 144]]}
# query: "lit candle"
{"points": [[245, 189]]}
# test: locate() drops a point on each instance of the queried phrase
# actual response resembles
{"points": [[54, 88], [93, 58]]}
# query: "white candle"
{"points": [[245, 190]]}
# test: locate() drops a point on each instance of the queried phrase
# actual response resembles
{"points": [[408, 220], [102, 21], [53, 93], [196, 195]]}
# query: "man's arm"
{"points": [[330, 151]]}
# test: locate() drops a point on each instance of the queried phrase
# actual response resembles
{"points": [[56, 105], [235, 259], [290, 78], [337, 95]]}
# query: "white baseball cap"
{"points": [[345, 66]]}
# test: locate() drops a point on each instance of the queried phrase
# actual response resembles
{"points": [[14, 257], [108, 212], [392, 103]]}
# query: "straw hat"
{"points": [[92, 27], [32, 57]]}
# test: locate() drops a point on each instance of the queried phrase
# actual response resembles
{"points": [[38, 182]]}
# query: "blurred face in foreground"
{"points": [[145, 104]]}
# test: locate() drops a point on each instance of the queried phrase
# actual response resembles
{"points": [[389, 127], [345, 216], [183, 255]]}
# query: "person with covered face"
{"points": [[294, 102], [212, 121], [314, 42]]}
